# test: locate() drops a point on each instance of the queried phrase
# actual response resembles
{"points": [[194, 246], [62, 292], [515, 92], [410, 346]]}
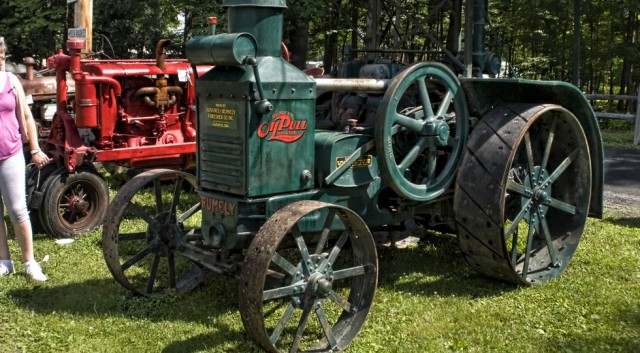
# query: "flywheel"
{"points": [[421, 128]]}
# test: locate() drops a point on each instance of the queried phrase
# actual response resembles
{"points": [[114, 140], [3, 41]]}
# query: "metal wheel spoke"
{"points": [[544, 230], [352, 272], [514, 249], [158, 193], [290, 290], [177, 190], [152, 274], [282, 323], [563, 166], [343, 303], [284, 264], [527, 252], [325, 231], [335, 251], [413, 154], [326, 327], [446, 103], [304, 251], [530, 161], [547, 149], [562, 206], [142, 214], [409, 123], [518, 188], [424, 97], [395, 129], [303, 323], [431, 164], [132, 236], [139, 256], [190, 212], [514, 226]]}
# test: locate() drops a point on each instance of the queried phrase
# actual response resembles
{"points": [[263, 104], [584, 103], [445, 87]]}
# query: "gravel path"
{"points": [[622, 181]]}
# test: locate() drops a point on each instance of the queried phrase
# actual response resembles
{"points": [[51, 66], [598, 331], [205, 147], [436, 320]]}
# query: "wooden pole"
{"points": [[83, 18]]}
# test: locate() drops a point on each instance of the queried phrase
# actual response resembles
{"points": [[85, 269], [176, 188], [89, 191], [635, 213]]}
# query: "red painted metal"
{"points": [[139, 113]]}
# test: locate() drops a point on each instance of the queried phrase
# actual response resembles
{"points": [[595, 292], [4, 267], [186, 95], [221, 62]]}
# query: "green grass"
{"points": [[618, 134], [428, 300]]}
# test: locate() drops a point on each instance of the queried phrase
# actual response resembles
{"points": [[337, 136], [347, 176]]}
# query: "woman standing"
{"points": [[17, 126]]}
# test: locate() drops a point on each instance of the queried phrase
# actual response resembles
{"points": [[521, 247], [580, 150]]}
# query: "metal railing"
{"points": [[628, 117]]}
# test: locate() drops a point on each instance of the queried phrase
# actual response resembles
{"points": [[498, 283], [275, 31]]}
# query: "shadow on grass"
{"points": [[217, 340], [603, 340], [631, 222], [107, 298], [435, 266]]}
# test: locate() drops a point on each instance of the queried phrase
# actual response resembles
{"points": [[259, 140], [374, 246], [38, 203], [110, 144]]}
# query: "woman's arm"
{"points": [[37, 155]]}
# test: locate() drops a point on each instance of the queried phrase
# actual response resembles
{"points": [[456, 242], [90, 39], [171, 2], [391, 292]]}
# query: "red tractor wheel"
{"points": [[75, 203]]}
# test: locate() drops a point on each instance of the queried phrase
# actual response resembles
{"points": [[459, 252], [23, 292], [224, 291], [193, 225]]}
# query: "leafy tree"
{"points": [[33, 28], [134, 27]]}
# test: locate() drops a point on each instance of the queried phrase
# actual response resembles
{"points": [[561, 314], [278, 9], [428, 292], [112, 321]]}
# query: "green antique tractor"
{"points": [[285, 198]]}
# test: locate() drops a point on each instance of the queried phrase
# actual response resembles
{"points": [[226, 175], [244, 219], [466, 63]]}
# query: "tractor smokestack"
{"points": [[261, 18]]}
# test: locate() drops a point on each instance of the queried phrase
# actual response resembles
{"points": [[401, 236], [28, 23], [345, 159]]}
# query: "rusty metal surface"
{"points": [[310, 277]]}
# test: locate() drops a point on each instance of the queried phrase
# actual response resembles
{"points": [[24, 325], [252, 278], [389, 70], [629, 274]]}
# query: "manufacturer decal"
{"points": [[282, 127], [219, 207], [222, 115], [364, 161]]}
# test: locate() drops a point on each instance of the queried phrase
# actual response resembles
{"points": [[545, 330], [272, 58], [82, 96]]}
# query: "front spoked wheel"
{"points": [[308, 291], [153, 217]]}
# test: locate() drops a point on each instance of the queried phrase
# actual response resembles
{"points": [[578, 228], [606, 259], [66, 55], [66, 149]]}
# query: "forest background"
{"points": [[592, 43]]}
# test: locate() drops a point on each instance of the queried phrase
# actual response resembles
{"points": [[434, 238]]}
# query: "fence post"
{"points": [[636, 135]]}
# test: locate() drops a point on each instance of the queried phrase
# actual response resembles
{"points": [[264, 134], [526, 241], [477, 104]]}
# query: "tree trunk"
{"points": [[330, 51], [187, 33], [575, 59], [625, 76], [371, 38], [299, 37], [455, 26]]}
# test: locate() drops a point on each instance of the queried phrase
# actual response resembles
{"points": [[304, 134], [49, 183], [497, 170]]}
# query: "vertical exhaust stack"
{"points": [[261, 18]]}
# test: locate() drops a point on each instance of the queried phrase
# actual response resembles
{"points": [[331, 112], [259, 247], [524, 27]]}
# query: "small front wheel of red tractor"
{"points": [[75, 203]]}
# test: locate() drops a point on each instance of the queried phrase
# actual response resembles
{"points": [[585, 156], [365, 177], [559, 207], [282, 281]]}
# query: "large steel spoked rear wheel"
{"points": [[148, 222], [421, 127], [523, 193], [308, 292]]}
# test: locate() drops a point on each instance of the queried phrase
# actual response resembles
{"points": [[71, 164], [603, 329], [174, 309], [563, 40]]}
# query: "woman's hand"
{"points": [[39, 158]]}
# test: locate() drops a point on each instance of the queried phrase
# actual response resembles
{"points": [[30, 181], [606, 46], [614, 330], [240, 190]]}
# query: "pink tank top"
{"points": [[10, 139]]}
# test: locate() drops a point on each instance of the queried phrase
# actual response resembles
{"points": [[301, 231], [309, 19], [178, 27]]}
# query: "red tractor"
{"points": [[136, 114]]}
